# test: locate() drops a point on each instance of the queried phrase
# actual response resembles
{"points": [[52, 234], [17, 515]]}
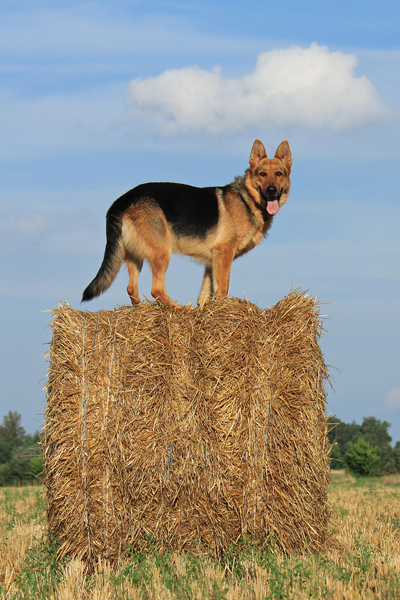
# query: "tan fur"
{"points": [[242, 223]]}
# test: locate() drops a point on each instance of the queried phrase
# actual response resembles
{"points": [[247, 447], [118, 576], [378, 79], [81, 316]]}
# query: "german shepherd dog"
{"points": [[213, 225]]}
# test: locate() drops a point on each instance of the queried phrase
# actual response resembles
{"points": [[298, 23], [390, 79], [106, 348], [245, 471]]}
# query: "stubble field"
{"points": [[366, 526]]}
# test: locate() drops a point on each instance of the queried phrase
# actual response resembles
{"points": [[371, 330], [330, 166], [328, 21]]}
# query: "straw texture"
{"points": [[195, 426]]}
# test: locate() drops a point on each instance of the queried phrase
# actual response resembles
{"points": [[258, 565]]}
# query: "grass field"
{"points": [[366, 525]]}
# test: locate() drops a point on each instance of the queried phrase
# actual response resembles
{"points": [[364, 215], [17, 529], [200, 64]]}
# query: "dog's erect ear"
{"points": [[257, 153], [284, 154]]}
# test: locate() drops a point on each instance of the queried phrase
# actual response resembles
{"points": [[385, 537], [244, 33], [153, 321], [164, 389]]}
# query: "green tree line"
{"points": [[364, 449], [20, 455]]}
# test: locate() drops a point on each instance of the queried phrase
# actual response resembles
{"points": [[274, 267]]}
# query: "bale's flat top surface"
{"points": [[195, 426]]}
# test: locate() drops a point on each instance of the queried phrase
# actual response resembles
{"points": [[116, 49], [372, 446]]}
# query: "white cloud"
{"points": [[310, 88], [392, 400]]}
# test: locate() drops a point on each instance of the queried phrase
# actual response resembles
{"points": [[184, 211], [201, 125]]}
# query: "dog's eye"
{"points": [[262, 174], [279, 174]]}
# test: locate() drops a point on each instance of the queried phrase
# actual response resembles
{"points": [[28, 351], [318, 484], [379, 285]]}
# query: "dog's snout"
{"points": [[272, 190]]}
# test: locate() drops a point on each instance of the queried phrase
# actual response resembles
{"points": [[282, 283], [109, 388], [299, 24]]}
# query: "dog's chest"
{"points": [[253, 237]]}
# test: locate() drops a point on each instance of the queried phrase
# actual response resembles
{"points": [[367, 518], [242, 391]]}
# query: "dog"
{"points": [[213, 225]]}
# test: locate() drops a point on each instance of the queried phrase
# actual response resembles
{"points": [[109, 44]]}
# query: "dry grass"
{"points": [[367, 523], [373, 508], [199, 427], [22, 523]]}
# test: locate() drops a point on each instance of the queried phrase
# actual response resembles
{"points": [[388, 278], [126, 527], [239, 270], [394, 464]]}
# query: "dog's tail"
{"points": [[113, 257]]}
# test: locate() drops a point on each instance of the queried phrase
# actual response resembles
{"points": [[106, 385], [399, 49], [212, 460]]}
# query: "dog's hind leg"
{"points": [[207, 288], [159, 265], [134, 268]]}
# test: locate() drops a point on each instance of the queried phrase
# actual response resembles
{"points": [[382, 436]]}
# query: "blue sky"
{"points": [[97, 97]]}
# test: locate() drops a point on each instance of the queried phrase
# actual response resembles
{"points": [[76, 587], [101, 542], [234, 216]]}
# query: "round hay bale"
{"points": [[196, 427]]}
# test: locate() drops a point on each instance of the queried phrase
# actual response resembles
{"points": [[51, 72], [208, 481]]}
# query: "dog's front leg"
{"points": [[222, 263]]}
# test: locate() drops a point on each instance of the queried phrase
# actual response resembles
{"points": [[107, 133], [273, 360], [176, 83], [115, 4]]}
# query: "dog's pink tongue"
{"points": [[272, 207]]}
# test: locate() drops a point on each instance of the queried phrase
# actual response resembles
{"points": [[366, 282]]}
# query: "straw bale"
{"points": [[195, 427]]}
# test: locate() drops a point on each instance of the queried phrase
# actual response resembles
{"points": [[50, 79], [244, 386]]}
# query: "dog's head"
{"points": [[267, 179]]}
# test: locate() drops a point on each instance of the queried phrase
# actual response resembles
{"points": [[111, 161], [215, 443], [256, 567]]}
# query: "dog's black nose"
{"points": [[272, 190]]}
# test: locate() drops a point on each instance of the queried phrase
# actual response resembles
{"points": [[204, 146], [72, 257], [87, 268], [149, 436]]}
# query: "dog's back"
{"points": [[189, 210]]}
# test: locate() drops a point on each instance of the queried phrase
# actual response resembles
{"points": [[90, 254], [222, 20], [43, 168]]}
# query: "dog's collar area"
{"points": [[263, 209]]}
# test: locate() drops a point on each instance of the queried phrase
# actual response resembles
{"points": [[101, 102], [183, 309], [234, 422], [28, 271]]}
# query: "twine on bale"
{"points": [[195, 426]]}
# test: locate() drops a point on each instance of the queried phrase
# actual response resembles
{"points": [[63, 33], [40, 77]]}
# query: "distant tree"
{"points": [[342, 436], [20, 455], [343, 433], [5, 450], [6, 474], [34, 467], [336, 457], [362, 459], [375, 432], [390, 463], [12, 433]]}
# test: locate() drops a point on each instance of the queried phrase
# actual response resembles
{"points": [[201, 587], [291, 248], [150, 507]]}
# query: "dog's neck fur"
{"points": [[239, 184]]}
